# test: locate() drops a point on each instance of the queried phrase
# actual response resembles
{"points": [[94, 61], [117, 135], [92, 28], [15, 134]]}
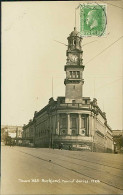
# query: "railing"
{"points": [[74, 105]]}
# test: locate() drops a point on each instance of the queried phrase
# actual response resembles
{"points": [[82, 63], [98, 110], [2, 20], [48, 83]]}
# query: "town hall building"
{"points": [[73, 121]]}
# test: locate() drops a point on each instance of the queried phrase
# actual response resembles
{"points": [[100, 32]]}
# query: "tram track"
{"points": [[90, 167], [72, 169], [85, 165], [91, 161]]}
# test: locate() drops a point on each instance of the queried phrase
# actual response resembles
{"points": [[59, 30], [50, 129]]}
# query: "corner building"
{"points": [[73, 121]]}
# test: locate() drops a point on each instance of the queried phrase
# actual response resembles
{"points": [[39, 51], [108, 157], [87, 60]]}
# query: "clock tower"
{"points": [[74, 69]]}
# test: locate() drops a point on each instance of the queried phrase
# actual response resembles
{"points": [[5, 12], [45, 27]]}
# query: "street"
{"points": [[47, 171]]}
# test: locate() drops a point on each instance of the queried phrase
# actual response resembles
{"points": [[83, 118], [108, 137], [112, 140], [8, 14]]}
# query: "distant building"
{"points": [[118, 140], [11, 133], [28, 136], [117, 133], [72, 122]]}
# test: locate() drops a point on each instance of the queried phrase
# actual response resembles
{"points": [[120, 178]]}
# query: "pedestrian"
{"points": [[59, 146], [69, 147]]}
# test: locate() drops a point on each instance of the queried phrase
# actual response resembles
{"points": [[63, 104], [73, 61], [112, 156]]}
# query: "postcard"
{"points": [[62, 116]]}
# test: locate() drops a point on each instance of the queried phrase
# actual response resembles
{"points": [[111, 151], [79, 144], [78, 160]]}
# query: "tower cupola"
{"points": [[74, 40], [74, 51]]}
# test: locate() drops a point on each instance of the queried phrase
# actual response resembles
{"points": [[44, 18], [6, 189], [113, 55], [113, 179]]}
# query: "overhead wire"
{"points": [[105, 85], [104, 50], [113, 4]]}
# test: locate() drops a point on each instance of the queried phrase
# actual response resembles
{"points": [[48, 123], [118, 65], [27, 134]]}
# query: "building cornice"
{"points": [[73, 67]]}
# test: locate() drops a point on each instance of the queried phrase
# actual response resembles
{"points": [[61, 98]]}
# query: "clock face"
{"points": [[73, 57]]}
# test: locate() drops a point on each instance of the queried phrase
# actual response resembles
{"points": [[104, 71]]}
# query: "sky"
{"points": [[31, 57]]}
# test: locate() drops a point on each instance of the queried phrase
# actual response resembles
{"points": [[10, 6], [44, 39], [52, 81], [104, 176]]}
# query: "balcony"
{"points": [[74, 105]]}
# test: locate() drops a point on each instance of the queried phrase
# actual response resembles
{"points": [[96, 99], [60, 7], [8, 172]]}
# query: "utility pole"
{"points": [[75, 13], [52, 86]]}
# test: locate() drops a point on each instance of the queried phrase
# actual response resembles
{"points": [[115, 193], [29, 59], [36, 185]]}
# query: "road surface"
{"points": [[47, 171]]}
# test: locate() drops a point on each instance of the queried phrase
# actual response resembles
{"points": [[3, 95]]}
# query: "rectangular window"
{"points": [[73, 123], [70, 74], [86, 101], [73, 102], [83, 122], [74, 74], [63, 123], [77, 74]]}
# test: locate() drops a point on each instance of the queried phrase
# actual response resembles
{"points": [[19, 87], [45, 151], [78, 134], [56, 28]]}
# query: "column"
{"points": [[68, 124], [91, 131], [91, 125], [79, 126], [57, 132], [86, 126]]}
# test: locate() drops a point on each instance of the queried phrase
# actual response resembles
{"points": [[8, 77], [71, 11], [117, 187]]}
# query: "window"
{"points": [[83, 122], [74, 42], [63, 123], [73, 123], [73, 132], [74, 74], [83, 131], [77, 74], [86, 101], [70, 74], [73, 102]]}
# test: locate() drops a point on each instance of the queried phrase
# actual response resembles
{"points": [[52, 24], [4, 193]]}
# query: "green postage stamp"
{"points": [[93, 19]]}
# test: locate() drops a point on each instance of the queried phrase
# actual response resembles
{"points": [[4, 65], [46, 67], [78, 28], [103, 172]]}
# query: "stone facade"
{"points": [[10, 132], [118, 141], [79, 126], [72, 122]]}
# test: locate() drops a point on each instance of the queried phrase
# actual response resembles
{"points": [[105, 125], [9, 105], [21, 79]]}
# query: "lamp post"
{"points": [[115, 152]]}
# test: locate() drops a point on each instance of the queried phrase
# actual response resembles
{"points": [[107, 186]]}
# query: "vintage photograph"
{"points": [[62, 98]]}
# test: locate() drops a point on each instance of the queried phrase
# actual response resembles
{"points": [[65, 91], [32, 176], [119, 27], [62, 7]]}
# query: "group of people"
{"points": [[11, 143], [61, 146]]}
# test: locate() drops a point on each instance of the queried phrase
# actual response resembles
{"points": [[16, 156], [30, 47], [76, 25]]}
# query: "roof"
{"points": [[117, 132], [74, 33]]}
